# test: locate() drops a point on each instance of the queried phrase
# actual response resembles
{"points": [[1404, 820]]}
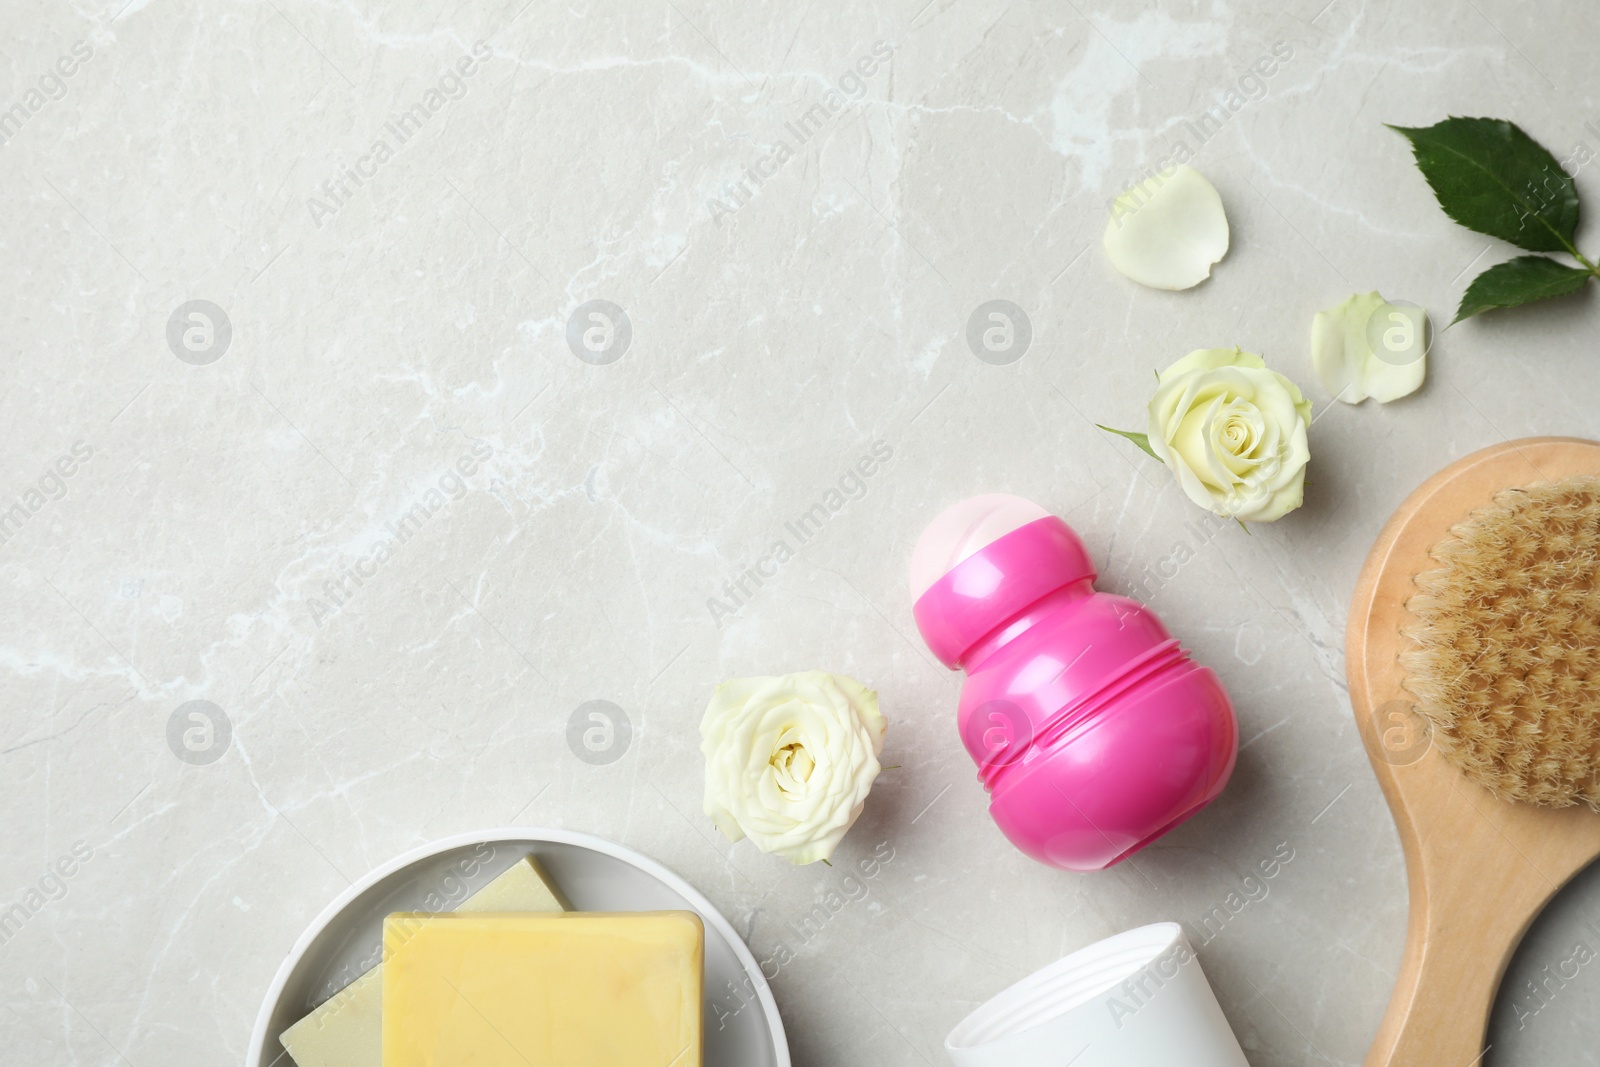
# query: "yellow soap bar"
{"points": [[346, 1030], [586, 988], [523, 887]]}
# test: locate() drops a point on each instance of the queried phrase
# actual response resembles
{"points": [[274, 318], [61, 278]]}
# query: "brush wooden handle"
{"points": [[1479, 868]]}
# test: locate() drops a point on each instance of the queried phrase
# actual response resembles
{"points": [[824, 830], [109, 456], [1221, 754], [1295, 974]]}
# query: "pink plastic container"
{"points": [[1093, 730]]}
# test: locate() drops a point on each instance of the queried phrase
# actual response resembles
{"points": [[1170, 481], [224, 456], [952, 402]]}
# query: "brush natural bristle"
{"points": [[1506, 666]]}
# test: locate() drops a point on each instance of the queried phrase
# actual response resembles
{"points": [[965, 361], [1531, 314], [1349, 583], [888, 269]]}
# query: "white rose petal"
{"points": [[790, 760], [1167, 232], [1233, 433], [1369, 347]]}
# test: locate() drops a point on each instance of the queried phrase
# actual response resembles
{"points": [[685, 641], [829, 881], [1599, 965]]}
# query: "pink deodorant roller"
{"points": [[1093, 730]]}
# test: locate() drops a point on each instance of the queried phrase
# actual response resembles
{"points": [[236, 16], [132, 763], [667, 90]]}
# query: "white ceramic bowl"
{"points": [[595, 875]]}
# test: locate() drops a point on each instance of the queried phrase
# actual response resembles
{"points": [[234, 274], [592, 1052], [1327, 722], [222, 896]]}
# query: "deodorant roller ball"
{"points": [[1093, 730]]}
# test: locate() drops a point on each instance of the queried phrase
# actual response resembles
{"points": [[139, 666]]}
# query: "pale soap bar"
{"points": [[586, 988], [346, 1030]]}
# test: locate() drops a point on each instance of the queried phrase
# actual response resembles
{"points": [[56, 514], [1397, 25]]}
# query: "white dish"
{"points": [[595, 875]]}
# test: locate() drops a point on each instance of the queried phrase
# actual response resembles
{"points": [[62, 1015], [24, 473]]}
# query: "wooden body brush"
{"points": [[1501, 651]]}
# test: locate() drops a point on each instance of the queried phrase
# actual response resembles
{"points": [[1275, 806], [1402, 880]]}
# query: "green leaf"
{"points": [[1491, 177], [1140, 439], [1519, 281]]}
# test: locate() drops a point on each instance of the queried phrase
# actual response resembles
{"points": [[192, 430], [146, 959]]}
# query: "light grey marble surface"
{"points": [[382, 333]]}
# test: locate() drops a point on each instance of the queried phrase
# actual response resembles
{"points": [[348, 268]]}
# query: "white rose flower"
{"points": [[790, 760], [1233, 433]]}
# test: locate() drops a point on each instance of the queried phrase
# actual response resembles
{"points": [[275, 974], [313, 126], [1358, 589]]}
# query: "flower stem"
{"points": [[1581, 258]]}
